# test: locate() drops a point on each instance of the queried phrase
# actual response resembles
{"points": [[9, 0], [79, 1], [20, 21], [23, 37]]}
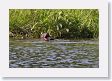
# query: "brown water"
{"points": [[53, 54]]}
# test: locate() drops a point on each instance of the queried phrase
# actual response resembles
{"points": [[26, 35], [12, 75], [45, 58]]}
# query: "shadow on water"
{"points": [[53, 54]]}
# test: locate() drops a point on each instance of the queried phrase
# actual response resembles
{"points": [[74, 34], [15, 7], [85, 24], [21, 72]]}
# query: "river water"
{"points": [[53, 54]]}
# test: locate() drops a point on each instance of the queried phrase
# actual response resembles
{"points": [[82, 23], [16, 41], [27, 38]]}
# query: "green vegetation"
{"points": [[59, 23]]}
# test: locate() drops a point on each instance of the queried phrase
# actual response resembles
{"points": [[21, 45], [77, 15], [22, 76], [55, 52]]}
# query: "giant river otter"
{"points": [[46, 37]]}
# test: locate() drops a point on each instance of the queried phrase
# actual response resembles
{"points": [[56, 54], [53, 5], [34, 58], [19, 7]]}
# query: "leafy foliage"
{"points": [[59, 23]]}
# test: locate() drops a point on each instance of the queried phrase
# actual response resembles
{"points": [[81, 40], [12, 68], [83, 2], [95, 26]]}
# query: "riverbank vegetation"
{"points": [[59, 23]]}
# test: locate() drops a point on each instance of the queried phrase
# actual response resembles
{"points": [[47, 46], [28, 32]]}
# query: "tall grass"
{"points": [[60, 23]]}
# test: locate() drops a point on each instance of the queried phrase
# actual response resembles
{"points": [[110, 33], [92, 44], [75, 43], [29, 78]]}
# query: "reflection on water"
{"points": [[53, 54]]}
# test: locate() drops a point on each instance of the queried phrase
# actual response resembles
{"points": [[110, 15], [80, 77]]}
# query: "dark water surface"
{"points": [[53, 54]]}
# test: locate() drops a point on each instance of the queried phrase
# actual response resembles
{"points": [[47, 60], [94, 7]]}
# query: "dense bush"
{"points": [[60, 23]]}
